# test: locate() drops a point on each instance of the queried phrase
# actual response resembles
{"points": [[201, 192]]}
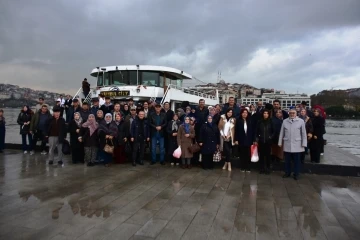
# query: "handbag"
{"points": [[109, 148], [66, 147], [254, 153], [217, 156], [194, 148]]}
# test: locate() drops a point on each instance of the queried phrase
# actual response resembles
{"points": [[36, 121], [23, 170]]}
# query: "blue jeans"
{"points": [[26, 147], [154, 140], [296, 158]]}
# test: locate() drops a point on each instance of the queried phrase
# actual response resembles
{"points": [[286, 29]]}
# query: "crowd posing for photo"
{"points": [[118, 132]]}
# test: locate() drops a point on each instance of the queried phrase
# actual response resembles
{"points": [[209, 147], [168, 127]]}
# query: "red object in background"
{"points": [[119, 154], [322, 110]]}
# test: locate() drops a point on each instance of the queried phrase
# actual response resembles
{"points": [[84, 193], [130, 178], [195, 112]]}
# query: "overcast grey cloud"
{"points": [[303, 46]]}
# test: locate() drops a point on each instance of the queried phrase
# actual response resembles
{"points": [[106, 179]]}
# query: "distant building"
{"points": [[286, 100], [4, 96]]}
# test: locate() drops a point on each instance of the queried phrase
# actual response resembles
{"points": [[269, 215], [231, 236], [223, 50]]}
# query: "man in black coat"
{"points": [[56, 134], [158, 124], [201, 114], [169, 116], [231, 104], [139, 135]]}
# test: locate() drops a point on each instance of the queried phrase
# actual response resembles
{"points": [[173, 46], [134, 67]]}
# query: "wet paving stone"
{"points": [[38, 201]]}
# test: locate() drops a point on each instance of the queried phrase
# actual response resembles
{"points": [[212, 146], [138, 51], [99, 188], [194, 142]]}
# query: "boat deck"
{"points": [[38, 201]]}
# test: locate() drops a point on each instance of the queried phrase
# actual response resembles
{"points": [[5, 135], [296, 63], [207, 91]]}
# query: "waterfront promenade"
{"points": [[39, 201]]}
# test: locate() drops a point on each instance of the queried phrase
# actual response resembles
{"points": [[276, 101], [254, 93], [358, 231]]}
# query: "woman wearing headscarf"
{"points": [[309, 131], [244, 138], [99, 116], [227, 136], [24, 120], [172, 131], [264, 136], [77, 148], [88, 135], [125, 110], [123, 134], [209, 141], [108, 132], [317, 141], [185, 138]]}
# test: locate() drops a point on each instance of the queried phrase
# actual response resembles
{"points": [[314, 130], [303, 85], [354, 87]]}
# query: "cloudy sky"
{"points": [[303, 46]]}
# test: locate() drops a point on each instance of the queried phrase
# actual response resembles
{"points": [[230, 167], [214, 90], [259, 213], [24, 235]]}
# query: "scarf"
{"points": [[187, 128], [79, 121], [209, 124], [175, 125], [108, 114], [108, 128], [91, 124]]}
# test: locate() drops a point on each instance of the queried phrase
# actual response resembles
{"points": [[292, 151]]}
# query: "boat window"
{"points": [[150, 79], [133, 78], [119, 78], [100, 80], [106, 79]]}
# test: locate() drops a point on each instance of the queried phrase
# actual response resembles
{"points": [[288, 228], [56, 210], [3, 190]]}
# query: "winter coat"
{"points": [[62, 128], [123, 132], [85, 115], [172, 140], [264, 131], [222, 123], [245, 140], [89, 141], [185, 142], [210, 138], [152, 118], [293, 133], [23, 118], [134, 132], [276, 122], [35, 120], [74, 142]]}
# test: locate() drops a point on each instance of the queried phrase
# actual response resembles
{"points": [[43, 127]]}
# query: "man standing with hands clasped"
{"points": [[293, 133]]}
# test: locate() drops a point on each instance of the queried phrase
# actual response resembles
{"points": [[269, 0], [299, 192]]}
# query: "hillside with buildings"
{"points": [[348, 99], [15, 96]]}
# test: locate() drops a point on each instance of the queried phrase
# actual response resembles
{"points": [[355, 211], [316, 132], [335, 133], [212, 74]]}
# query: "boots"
{"points": [[229, 167], [225, 166]]}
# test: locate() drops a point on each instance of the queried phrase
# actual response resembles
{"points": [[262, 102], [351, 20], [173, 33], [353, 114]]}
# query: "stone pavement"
{"points": [[38, 201]]}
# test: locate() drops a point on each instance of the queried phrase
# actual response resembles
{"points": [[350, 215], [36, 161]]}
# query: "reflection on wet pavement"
{"points": [[38, 201]]}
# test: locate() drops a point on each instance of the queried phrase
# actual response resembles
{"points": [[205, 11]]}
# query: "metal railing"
{"points": [[189, 91], [87, 98]]}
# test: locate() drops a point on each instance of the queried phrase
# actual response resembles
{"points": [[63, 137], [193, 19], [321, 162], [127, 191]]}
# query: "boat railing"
{"points": [[189, 91], [80, 95]]}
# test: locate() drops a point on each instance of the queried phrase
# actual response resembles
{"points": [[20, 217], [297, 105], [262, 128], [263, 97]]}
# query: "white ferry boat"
{"points": [[144, 83]]}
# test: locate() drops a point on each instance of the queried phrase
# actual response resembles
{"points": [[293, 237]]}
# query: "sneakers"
{"points": [[31, 152], [172, 164], [43, 153], [25, 152]]}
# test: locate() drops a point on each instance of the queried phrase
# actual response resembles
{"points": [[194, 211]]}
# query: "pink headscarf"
{"points": [[91, 124]]}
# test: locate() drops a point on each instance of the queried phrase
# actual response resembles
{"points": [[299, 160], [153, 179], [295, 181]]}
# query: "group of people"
{"points": [[121, 131]]}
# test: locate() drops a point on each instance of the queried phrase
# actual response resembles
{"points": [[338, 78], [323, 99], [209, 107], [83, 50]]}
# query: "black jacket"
{"points": [[107, 109], [172, 140], [74, 142], [68, 103], [85, 115], [62, 128], [209, 137], [123, 132], [201, 116], [89, 141], [276, 123], [134, 133], [23, 118], [244, 139], [169, 114], [264, 131], [153, 123]]}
